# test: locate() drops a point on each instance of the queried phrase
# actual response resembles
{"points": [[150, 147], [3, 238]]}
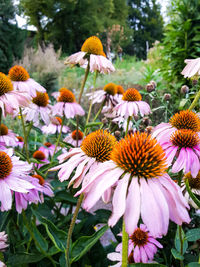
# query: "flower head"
{"points": [[71, 138], [55, 126], [95, 149], [137, 173], [11, 100], [7, 137], [92, 45], [22, 81], [3, 240], [67, 105], [132, 104], [20, 141]]}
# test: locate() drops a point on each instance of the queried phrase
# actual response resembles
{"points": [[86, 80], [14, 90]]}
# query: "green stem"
{"points": [[84, 81], [0, 118], [71, 228], [99, 111], [128, 121], [124, 246], [193, 197], [58, 139], [181, 242], [35, 240], [195, 101], [91, 102], [25, 136]]}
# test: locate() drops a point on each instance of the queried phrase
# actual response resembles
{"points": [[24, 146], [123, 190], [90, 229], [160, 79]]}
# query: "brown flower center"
{"points": [[140, 155], [186, 119], [48, 144], [59, 120], [80, 135], [5, 84], [20, 138], [39, 155], [99, 145], [40, 178], [139, 237], [3, 129], [120, 90], [18, 73], [132, 94], [93, 46], [41, 99], [110, 88], [66, 96], [5, 165], [185, 138]]}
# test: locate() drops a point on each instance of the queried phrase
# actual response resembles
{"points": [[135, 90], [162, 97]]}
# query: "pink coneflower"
{"points": [[95, 149], [23, 83], [141, 247], [38, 108], [184, 148], [184, 119], [132, 104], [7, 137], [119, 94], [138, 166], [194, 184], [20, 141], [71, 138], [92, 51], [45, 187], [40, 156], [47, 149], [11, 100], [54, 126], [3, 240], [67, 105], [13, 174], [192, 68]]}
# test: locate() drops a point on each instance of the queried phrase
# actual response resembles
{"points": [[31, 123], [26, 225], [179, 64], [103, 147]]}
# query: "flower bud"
{"points": [[117, 134], [150, 88], [146, 121], [153, 83], [194, 82], [184, 89], [104, 120], [167, 97]]}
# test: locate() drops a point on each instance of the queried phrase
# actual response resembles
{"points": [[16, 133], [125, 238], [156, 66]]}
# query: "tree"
{"points": [[67, 23], [147, 23], [11, 37]]}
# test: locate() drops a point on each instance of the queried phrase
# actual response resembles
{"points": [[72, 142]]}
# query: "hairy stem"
{"points": [[195, 101], [25, 136], [124, 246]]}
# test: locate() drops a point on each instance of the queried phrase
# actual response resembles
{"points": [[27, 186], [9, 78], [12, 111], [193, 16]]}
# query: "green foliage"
{"points": [[182, 36], [147, 23], [11, 37]]}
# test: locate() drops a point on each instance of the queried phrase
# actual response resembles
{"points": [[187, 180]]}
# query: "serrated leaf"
{"points": [[85, 243], [193, 235], [177, 255]]}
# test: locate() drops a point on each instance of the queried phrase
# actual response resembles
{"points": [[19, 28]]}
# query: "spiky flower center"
{"points": [[41, 99], [80, 135], [185, 138], [57, 121], [5, 165], [48, 144], [5, 84], [39, 155], [120, 90], [132, 94], [99, 145], [92, 45], [186, 119], [18, 73], [139, 237], [40, 178], [140, 155], [66, 96], [110, 88], [3, 129], [194, 183], [20, 138]]}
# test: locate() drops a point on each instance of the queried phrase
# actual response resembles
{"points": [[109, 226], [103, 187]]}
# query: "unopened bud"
{"points": [[153, 83], [167, 97], [136, 117], [184, 89], [194, 82], [117, 133], [146, 121], [150, 88], [104, 120]]}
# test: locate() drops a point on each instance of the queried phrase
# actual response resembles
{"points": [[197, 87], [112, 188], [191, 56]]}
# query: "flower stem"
{"points": [[128, 121], [91, 102], [193, 197], [195, 101], [83, 83], [181, 242], [71, 228], [58, 139], [25, 136], [124, 246]]}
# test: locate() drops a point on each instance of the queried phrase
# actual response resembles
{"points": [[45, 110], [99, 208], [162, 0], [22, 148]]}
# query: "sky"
{"points": [[22, 21]]}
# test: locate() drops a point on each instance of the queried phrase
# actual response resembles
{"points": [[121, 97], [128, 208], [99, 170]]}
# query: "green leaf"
{"points": [[40, 239], [193, 264], [193, 197], [58, 237], [66, 197], [91, 124], [22, 258], [193, 235], [178, 243], [146, 265], [48, 166], [84, 243], [177, 255]]}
